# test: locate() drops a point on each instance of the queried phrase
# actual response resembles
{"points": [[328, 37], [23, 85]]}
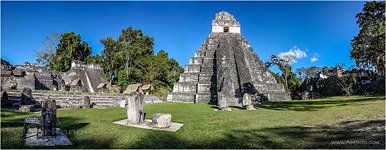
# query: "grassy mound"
{"points": [[337, 122]]}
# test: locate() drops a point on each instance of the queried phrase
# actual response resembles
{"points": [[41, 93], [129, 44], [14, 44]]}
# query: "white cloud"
{"points": [[293, 54], [315, 58]]}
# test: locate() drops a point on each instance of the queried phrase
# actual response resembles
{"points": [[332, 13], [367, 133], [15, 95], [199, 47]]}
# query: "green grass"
{"points": [[291, 124]]}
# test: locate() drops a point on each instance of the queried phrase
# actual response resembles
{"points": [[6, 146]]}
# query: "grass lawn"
{"points": [[357, 121]]}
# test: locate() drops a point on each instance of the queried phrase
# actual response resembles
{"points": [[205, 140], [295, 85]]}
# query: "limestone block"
{"points": [[86, 102], [202, 98], [203, 88], [135, 108], [48, 117], [185, 87], [210, 53], [26, 108], [161, 120], [199, 53], [188, 77], [181, 97], [196, 60], [26, 96], [247, 99], [206, 69], [208, 61], [192, 68]]}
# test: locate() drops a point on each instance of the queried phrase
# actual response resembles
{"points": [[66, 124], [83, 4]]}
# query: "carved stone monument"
{"points": [[26, 96], [161, 120], [86, 102], [247, 102], [135, 108], [5, 102], [226, 65], [48, 118]]}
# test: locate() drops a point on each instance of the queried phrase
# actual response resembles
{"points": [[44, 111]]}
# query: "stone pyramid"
{"points": [[224, 68]]}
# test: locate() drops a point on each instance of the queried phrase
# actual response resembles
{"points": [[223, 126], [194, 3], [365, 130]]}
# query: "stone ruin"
{"points": [[135, 108], [225, 68], [30, 76], [50, 135], [134, 104], [48, 117], [84, 78], [80, 78]]}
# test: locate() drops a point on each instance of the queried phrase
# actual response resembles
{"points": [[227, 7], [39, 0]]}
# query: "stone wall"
{"points": [[75, 100]]}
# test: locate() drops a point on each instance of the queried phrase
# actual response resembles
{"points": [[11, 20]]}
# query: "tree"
{"points": [[368, 47], [60, 50], [283, 64], [46, 56], [130, 46], [70, 48]]}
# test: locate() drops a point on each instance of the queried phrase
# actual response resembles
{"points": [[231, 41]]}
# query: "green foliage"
{"points": [[97, 59], [288, 78], [60, 50], [131, 59], [70, 48], [368, 47]]}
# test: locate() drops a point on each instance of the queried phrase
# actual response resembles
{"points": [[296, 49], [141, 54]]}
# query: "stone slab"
{"points": [[147, 124], [59, 139]]}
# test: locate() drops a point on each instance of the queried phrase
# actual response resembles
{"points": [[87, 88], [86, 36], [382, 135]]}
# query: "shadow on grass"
{"points": [[313, 105], [352, 134]]}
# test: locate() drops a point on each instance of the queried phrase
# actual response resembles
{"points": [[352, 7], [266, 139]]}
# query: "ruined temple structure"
{"points": [[225, 68], [83, 77], [30, 76]]}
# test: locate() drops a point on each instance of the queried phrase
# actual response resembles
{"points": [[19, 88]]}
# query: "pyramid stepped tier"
{"points": [[224, 68]]}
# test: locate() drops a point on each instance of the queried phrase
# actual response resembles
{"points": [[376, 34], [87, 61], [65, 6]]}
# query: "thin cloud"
{"points": [[315, 58], [295, 53]]}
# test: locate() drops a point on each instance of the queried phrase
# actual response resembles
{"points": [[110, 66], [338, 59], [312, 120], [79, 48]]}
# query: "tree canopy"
{"points": [[368, 47], [60, 50], [130, 59]]}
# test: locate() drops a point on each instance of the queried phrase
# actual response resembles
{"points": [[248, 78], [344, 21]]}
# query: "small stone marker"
{"points": [[48, 117], [5, 102], [135, 108], [222, 103], [26, 96], [26, 108], [86, 102], [247, 102], [161, 120]]}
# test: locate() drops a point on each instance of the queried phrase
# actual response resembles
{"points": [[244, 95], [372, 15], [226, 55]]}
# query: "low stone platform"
{"points": [[147, 124], [59, 139]]}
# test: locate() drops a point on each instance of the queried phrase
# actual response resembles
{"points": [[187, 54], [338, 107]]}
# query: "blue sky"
{"points": [[321, 30]]}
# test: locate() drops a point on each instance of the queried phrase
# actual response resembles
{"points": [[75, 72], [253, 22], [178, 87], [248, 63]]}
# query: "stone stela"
{"points": [[135, 108], [224, 69], [48, 117]]}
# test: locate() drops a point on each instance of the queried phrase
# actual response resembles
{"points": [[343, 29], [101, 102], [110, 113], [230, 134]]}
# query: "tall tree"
{"points": [[46, 56], [283, 64], [70, 48], [119, 56], [60, 50], [368, 47]]}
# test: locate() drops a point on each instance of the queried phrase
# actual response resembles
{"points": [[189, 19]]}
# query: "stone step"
{"points": [[196, 60], [203, 98], [192, 68], [200, 53], [203, 88], [209, 70], [188, 77], [181, 97], [185, 87], [269, 87]]}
